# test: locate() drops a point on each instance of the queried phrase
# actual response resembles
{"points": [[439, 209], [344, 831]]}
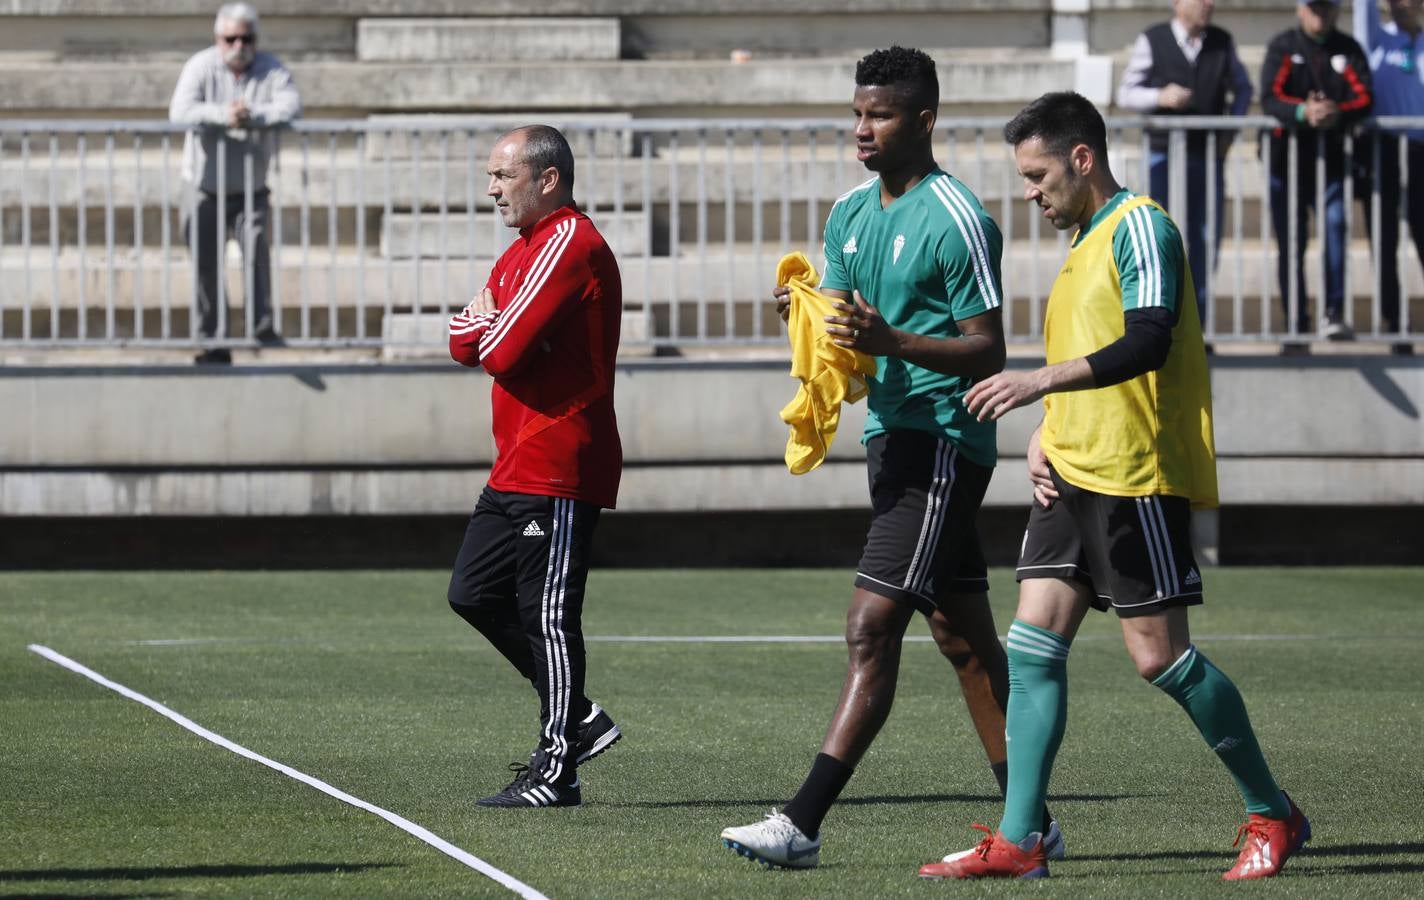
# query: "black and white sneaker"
{"points": [[596, 734], [529, 790]]}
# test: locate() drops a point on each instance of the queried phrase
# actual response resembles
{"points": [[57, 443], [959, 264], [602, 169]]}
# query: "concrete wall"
{"points": [[698, 436]]}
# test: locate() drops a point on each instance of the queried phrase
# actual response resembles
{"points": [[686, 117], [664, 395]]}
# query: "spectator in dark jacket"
{"points": [[1182, 67], [1316, 81]]}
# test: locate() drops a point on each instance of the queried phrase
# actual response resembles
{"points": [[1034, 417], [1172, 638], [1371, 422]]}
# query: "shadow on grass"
{"points": [[142, 873], [874, 800], [1399, 849], [1314, 862], [144, 896], [893, 799], [1301, 869], [1339, 866], [1383, 868]]}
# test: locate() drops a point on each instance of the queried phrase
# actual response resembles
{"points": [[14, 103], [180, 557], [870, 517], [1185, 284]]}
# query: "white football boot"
{"points": [[774, 841]]}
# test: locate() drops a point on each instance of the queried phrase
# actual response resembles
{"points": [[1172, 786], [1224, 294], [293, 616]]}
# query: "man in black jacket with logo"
{"points": [[1182, 67], [1316, 81]]}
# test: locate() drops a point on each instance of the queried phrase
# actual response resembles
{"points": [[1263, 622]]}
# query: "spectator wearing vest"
{"points": [[1187, 66], [1316, 82]]}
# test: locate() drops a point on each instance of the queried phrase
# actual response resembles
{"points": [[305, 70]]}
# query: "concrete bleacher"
{"points": [[402, 237], [538, 40], [355, 57], [793, 86], [364, 56]]}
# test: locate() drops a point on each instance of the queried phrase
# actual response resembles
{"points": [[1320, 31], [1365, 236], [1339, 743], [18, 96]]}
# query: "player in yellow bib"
{"points": [[1122, 456]]}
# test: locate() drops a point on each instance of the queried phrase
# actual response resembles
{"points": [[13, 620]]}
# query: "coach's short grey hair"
{"points": [[235, 12], [546, 147]]}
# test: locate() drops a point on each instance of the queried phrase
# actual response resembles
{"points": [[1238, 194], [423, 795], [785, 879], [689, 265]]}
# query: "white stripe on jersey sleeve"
{"points": [[463, 324], [981, 239], [1139, 260], [1145, 258], [544, 263], [535, 276], [972, 232], [1149, 233]]}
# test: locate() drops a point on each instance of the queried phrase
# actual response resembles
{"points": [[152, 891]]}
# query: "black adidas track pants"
{"points": [[519, 579]]}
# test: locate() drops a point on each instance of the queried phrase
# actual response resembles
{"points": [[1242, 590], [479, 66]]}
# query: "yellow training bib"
{"points": [[1150, 434]]}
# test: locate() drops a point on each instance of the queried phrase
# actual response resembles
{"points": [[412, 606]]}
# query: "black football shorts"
{"points": [[1133, 553], [923, 544]]}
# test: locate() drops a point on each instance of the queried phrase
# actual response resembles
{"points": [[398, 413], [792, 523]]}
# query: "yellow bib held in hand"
{"points": [[829, 374]]}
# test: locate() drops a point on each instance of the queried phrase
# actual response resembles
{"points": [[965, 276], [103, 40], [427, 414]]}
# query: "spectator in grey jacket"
{"points": [[234, 96]]}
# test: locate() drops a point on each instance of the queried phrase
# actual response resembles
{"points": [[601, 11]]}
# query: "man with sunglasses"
{"points": [[231, 93]]}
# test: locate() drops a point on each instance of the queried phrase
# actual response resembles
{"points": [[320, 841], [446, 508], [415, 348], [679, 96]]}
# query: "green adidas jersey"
{"points": [[925, 261]]}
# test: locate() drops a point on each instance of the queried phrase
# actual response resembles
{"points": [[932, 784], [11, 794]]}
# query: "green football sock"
{"points": [[1215, 707], [1037, 714]]}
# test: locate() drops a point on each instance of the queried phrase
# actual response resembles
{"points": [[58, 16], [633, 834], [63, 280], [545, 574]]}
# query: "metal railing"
{"points": [[378, 230]]}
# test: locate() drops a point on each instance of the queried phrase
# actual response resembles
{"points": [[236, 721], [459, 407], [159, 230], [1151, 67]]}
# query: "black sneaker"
{"points": [[596, 734], [216, 356], [528, 790]]}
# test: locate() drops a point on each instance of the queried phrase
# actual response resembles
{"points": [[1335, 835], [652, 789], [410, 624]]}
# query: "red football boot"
{"points": [[995, 857], [1269, 843]]}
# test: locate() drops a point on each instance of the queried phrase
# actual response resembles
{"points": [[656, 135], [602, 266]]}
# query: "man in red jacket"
{"points": [[545, 327], [1316, 82]]}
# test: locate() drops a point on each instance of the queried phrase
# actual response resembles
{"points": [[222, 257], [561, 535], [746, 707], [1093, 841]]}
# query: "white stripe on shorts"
{"points": [[1159, 546], [1169, 558], [936, 508]]}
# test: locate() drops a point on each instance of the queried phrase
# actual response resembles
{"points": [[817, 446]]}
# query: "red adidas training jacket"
{"points": [[550, 346]]}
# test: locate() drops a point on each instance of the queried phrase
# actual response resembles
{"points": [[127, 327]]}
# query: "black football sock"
{"points": [[820, 789]]}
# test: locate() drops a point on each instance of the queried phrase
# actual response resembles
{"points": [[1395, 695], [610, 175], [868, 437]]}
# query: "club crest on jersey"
{"points": [[899, 245], [849, 245]]}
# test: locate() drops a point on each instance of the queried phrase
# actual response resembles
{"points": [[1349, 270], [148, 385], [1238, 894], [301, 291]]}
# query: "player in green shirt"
{"points": [[930, 260], [913, 260]]}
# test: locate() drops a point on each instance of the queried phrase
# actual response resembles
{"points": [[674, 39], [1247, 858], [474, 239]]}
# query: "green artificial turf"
{"points": [[367, 681]]}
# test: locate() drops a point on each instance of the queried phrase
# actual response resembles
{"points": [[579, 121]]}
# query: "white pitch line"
{"points": [[187, 642], [925, 639], [409, 827], [816, 639]]}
